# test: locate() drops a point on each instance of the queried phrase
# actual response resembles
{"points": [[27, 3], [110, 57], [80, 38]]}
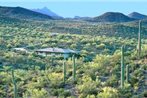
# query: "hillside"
{"points": [[37, 78], [112, 17], [137, 15], [97, 71], [125, 30], [22, 13]]}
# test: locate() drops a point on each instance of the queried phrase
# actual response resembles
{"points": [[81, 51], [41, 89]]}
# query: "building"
{"points": [[57, 51]]}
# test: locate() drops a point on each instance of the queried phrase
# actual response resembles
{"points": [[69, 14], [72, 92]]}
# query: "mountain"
{"points": [[137, 15], [48, 12], [112, 17], [22, 13], [82, 18]]}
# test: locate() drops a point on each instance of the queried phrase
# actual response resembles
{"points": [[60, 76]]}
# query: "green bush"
{"points": [[108, 92]]}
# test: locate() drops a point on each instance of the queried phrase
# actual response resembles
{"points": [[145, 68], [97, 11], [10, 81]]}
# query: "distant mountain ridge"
{"points": [[137, 15], [45, 13], [112, 17], [48, 12], [22, 13], [82, 18]]}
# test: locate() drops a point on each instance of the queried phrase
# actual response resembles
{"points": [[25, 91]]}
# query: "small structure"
{"points": [[53, 34], [20, 50], [57, 51], [66, 53]]}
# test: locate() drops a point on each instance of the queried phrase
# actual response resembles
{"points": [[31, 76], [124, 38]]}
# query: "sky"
{"points": [[90, 8]]}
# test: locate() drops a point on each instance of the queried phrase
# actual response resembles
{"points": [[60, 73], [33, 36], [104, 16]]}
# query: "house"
{"points": [[20, 50], [57, 51]]}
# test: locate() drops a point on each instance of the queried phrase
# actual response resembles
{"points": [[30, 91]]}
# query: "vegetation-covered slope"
{"points": [[98, 68], [112, 17], [22, 13], [137, 15]]}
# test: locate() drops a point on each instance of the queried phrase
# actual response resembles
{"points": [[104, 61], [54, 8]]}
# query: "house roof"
{"points": [[20, 49], [57, 50]]}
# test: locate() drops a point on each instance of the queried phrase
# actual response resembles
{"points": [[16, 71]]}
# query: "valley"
{"points": [[97, 72]]}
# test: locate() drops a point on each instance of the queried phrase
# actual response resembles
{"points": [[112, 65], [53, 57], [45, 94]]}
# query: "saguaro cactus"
{"points": [[122, 67], [52, 60], [127, 73], [64, 71], [14, 83], [139, 40], [74, 68]]}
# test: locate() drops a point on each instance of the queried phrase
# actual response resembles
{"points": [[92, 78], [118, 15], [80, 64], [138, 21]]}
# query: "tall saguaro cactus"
{"points": [[52, 60], [139, 40], [14, 83], [74, 68], [122, 67], [64, 71], [127, 73]]}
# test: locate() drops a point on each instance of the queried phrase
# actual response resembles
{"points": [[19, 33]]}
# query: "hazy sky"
{"points": [[71, 8]]}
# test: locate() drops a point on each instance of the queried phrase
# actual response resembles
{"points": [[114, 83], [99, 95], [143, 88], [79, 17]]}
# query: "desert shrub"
{"points": [[56, 80], [108, 92], [35, 93], [88, 86]]}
